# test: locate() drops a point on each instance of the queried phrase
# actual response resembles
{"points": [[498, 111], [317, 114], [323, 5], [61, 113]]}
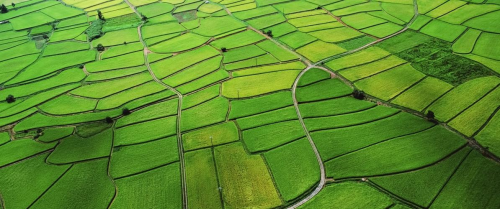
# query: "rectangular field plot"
{"points": [[294, 177], [372, 68], [422, 94], [473, 118], [130, 160], [476, 179], [389, 84], [407, 152], [201, 180], [323, 90], [248, 86], [256, 105], [163, 186], [365, 56], [149, 130], [331, 143], [273, 135], [331, 107], [210, 136], [245, 179], [443, 30], [158, 110], [76, 149], [320, 50], [211, 112], [461, 97]]}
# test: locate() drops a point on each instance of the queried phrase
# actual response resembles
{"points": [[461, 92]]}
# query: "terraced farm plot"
{"points": [[249, 104]]}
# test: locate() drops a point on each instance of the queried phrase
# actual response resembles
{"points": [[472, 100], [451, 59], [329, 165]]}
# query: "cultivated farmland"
{"points": [[249, 104]]}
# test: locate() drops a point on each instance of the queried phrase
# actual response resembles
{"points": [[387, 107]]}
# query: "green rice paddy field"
{"points": [[249, 104]]}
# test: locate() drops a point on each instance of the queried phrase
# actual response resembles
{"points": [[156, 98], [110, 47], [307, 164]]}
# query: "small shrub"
{"points": [[3, 9], [10, 98], [99, 14], [80, 66], [358, 94], [109, 120], [126, 111], [224, 49], [100, 47], [144, 18], [45, 36], [269, 33], [430, 115], [319, 7], [125, 43]]}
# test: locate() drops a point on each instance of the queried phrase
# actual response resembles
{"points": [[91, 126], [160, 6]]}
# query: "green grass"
{"points": [[422, 94], [36, 100], [273, 135], [80, 19], [135, 159], [123, 61], [205, 81], [443, 30], [294, 179], [466, 43], [211, 112], [201, 96], [425, 6], [61, 11], [489, 135], [30, 20], [180, 43], [16, 178], [404, 41], [326, 89], [365, 56], [249, 86], [182, 61], [445, 8], [117, 37], [150, 31], [351, 195], [251, 106], [467, 12], [18, 51], [121, 50], [146, 131], [281, 29], [98, 90], [237, 40], [218, 25], [278, 52], [245, 179], [64, 47], [62, 35], [341, 34], [472, 185], [153, 111], [294, 7], [484, 43], [365, 7], [263, 60], [266, 21], [483, 22], [44, 29], [319, 50], [72, 75], [244, 15], [333, 107], [163, 186], [266, 118], [210, 136], [351, 119], [421, 186], [269, 68], [242, 53], [366, 134], [297, 39], [201, 178], [74, 189], [47, 65], [362, 20], [389, 84], [312, 20], [4, 138], [312, 76], [407, 152], [372, 68], [20, 149], [383, 30], [473, 118], [155, 9], [458, 99], [75, 149], [126, 97]]}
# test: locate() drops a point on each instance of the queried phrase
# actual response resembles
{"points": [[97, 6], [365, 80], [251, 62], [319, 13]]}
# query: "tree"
{"points": [[126, 111], [3, 9], [99, 14], [223, 49], [269, 33], [430, 115], [358, 94], [10, 98], [144, 18], [45, 36], [109, 120], [13, 5], [100, 47], [125, 43]]}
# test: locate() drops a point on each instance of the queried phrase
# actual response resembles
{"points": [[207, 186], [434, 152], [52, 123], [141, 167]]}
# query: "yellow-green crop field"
{"points": [[235, 104]]}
